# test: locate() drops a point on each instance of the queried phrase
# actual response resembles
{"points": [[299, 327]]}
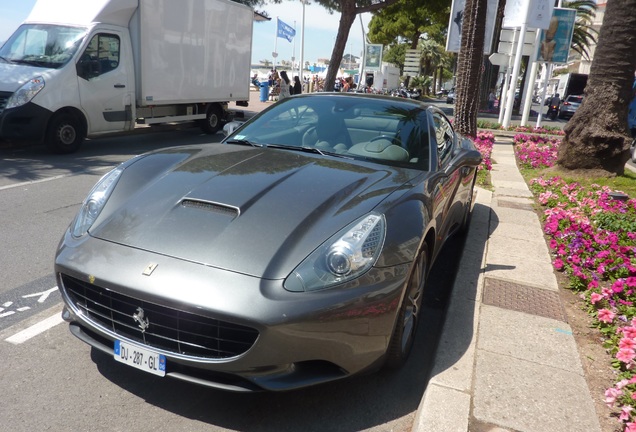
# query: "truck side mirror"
{"points": [[87, 68]]}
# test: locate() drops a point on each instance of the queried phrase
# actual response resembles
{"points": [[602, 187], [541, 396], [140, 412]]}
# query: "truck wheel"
{"points": [[65, 134], [213, 120]]}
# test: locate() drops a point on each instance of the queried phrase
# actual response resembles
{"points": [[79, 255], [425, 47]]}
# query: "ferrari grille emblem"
{"points": [[140, 319]]}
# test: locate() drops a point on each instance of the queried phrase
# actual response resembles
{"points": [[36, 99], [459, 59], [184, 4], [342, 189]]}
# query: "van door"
{"points": [[103, 84]]}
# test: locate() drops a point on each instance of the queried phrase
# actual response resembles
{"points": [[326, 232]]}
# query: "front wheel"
{"points": [[65, 134], [409, 314]]}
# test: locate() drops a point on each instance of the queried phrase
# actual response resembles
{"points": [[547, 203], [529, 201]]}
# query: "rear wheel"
{"points": [[65, 134], [409, 315], [213, 120]]}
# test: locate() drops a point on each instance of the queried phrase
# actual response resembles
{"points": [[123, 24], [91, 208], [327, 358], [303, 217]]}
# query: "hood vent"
{"points": [[211, 207]]}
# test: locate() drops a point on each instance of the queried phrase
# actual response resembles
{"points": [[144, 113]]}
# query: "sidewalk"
{"points": [[507, 359]]}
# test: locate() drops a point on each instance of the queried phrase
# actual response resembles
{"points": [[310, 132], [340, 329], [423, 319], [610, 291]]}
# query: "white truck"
{"points": [[79, 68]]}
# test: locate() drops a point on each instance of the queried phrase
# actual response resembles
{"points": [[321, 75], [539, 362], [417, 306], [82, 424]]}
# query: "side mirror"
{"points": [[464, 157]]}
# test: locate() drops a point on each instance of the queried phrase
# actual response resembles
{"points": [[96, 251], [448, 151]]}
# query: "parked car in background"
{"points": [[569, 106], [450, 97], [293, 253]]}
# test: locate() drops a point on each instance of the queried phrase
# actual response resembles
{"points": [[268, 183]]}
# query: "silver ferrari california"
{"points": [[293, 253]]}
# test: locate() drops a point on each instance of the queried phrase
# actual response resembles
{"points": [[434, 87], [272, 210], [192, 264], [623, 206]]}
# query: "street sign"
{"points": [[499, 59], [412, 61], [508, 35], [506, 47]]}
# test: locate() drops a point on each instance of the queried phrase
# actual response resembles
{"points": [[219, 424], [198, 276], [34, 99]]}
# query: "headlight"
{"points": [[25, 93], [94, 203], [345, 256]]}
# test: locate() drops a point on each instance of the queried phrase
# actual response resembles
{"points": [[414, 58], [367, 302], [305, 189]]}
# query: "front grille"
{"points": [[168, 329], [4, 97]]}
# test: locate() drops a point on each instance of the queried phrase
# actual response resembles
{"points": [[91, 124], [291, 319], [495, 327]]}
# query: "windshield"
{"points": [[42, 45], [384, 130]]}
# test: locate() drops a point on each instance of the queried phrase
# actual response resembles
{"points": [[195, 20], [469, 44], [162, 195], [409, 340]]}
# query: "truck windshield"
{"points": [[42, 45]]}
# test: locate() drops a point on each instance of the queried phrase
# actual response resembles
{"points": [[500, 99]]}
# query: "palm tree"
{"points": [[596, 138], [434, 57], [584, 34]]}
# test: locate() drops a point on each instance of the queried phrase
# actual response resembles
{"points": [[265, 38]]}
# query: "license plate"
{"points": [[140, 358]]}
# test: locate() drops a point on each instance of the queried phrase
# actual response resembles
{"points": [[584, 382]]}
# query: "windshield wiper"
{"points": [[302, 149], [6, 59], [244, 142], [36, 63]]}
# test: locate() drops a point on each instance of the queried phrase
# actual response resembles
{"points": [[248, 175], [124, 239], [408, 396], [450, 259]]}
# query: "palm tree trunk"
{"points": [[469, 67], [596, 138], [347, 17]]}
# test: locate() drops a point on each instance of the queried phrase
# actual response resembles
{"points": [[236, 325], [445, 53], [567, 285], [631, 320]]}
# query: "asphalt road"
{"points": [[52, 381]]}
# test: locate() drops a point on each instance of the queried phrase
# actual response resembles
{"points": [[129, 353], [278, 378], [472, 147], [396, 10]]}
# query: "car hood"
{"points": [[13, 76], [254, 211]]}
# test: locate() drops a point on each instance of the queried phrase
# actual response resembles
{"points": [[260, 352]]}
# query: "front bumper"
{"points": [[303, 338], [24, 123]]}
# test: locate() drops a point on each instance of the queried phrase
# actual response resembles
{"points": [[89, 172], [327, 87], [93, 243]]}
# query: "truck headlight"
{"points": [[25, 93]]}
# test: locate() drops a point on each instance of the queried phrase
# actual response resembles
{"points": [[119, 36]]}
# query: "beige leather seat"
{"points": [[380, 148]]}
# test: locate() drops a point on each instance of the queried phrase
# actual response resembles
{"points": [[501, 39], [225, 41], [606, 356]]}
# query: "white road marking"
{"points": [[43, 295], [95, 171], [2, 315], [22, 309], [7, 304], [35, 329]]}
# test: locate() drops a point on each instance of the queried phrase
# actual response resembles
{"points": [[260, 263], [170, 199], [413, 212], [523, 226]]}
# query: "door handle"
{"points": [[120, 86]]}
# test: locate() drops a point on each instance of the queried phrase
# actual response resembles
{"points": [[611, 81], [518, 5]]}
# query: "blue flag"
{"points": [[285, 31]]}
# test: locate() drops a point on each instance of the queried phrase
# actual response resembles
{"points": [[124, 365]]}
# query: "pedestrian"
{"points": [[491, 100], [297, 88], [347, 85], [285, 90]]}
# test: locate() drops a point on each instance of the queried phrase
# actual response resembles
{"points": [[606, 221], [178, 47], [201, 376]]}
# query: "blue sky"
{"points": [[320, 30]]}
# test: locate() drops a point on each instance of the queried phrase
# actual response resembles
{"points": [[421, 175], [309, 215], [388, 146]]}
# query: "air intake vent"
{"points": [[211, 207], [4, 98]]}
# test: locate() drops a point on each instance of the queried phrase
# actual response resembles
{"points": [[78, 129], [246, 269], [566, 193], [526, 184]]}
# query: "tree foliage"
{"points": [[584, 34], [407, 20], [396, 54]]}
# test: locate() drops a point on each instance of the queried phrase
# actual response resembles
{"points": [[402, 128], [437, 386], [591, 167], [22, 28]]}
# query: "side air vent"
{"points": [[211, 207]]}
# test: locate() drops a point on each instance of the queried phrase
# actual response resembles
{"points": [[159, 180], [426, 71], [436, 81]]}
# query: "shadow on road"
{"points": [[32, 162]]}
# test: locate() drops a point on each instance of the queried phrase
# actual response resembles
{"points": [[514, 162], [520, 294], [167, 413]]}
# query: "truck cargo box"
{"points": [[191, 51], [185, 51]]}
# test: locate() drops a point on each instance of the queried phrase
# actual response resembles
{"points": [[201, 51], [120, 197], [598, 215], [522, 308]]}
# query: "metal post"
{"points": [[504, 93], [515, 74], [302, 46], [548, 74], [533, 75]]}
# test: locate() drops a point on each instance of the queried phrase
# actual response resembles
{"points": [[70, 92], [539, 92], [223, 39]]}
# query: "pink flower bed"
{"points": [[536, 151], [484, 143], [593, 240]]}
